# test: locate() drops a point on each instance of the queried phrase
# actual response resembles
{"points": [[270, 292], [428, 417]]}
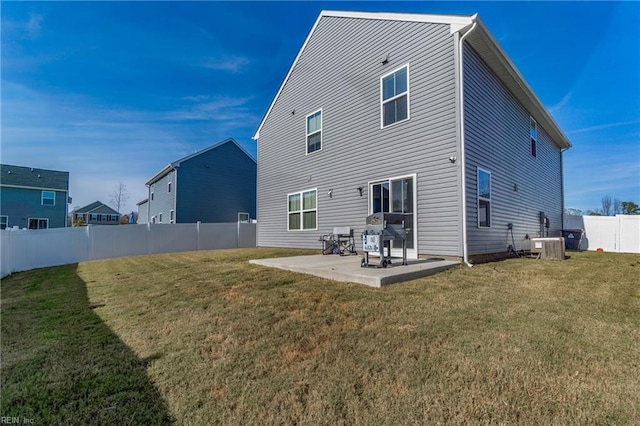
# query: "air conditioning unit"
{"points": [[548, 248]]}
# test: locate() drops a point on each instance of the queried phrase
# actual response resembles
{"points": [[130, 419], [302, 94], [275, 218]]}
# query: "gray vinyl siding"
{"points": [[20, 204], [215, 186], [339, 71], [163, 201], [497, 140], [143, 211]]}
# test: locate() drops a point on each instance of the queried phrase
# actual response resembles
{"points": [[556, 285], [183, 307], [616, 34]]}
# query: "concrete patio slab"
{"points": [[348, 269]]}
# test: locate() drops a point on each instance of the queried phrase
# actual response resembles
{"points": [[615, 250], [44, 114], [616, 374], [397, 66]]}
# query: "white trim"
{"points": [[38, 219], [37, 188], [396, 96], [409, 17], [478, 198], [307, 134], [172, 216], [302, 210], [42, 199]]}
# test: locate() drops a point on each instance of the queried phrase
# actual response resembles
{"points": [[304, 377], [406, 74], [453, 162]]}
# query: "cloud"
{"points": [[603, 127], [234, 64], [564, 101], [20, 29], [207, 108], [33, 26]]}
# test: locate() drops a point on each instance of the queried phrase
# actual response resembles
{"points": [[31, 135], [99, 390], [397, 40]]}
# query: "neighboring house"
{"points": [[33, 198], [418, 114], [143, 210], [96, 213], [215, 185]]}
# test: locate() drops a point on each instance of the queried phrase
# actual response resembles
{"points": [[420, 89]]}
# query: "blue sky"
{"points": [[114, 91]]}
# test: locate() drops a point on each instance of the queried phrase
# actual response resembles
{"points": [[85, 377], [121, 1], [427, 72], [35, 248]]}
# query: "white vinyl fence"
{"points": [[22, 250], [619, 234]]}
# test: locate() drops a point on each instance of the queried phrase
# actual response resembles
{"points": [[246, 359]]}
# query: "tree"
{"points": [[629, 207], [606, 205], [573, 212], [617, 206], [119, 196]]}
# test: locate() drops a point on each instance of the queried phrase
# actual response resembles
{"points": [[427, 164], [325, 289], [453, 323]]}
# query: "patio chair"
{"points": [[341, 242]]}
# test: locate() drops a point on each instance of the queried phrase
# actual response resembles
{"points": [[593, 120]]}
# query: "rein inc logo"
{"points": [[16, 421]]}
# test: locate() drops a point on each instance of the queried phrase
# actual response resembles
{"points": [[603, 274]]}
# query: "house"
{"points": [[96, 213], [409, 113], [143, 210], [214, 185], [33, 198]]}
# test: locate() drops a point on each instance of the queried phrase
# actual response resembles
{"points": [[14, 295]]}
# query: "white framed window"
{"points": [[394, 96], [151, 197], [159, 217], [302, 210], [153, 219], [171, 216], [38, 223], [48, 198], [314, 131], [533, 133], [243, 217], [169, 186], [4, 222], [484, 198]]}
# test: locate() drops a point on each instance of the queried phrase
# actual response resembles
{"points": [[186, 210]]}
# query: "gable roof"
{"points": [[29, 177], [94, 207], [173, 165], [479, 39]]}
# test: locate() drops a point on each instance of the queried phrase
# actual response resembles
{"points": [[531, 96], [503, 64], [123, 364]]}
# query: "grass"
{"points": [[206, 338]]}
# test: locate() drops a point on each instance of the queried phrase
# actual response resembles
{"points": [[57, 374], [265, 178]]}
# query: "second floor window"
{"points": [[314, 132], [48, 198], [533, 133], [395, 96]]}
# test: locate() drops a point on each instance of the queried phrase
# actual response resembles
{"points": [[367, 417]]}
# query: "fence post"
{"points": [[12, 252], [149, 241], [618, 232], [90, 242], [198, 235]]}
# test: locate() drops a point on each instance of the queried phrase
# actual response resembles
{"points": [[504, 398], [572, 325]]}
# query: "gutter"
{"points": [[463, 166]]}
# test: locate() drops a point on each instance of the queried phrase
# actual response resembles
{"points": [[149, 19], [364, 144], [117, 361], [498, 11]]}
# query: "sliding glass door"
{"points": [[397, 195]]}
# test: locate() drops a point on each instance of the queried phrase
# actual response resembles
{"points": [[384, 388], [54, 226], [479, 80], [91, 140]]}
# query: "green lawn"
{"points": [[206, 338]]}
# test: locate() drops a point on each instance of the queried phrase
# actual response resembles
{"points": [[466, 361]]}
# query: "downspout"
{"points": [[463, 166], [562, 150]]}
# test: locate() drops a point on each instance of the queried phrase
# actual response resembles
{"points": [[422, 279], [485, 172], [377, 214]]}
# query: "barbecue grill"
{"points": [[381, 229]]}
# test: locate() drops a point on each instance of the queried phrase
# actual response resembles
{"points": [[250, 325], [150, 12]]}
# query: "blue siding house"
{"points": [[96, 213], [214, 185], [418, 114], [33, 198]]}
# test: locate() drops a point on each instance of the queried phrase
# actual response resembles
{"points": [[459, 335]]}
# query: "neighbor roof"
{"points": [[94, 207], [173, 165], [29, 177], [479, 39]]}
